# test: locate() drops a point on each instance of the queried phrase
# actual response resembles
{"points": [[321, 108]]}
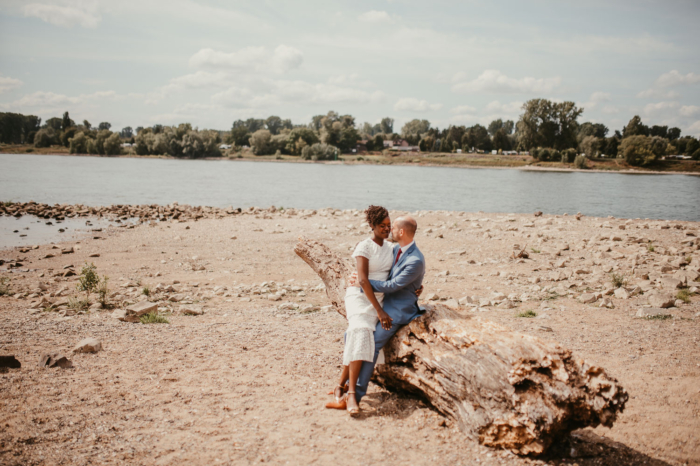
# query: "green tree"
{"points": [[387, 125], [611, 146], [598, 130], [66, 122], [501, 141], [67, 134], [104, 126], [660, 131], [127, 132], [112, 145], [673, 133], [591, 146], [54, 123], [45, 137], [635, 127], [273, 124], [260, 142], [641, 150], [299, 138], [78, 143], [319, 151], [88, 126], [548, 124]]}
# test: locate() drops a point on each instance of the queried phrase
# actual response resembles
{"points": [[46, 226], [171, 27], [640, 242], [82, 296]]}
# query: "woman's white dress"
{"points": [[362, 317]]}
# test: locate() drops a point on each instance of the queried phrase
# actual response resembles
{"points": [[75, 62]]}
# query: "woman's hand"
{"points": [[419, 291], [384, 319]]}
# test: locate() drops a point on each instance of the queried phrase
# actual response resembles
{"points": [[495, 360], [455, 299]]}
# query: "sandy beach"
{"points": [[244, 380]]}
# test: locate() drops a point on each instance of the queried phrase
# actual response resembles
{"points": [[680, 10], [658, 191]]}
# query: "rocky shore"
{"points": [[239, 372]]}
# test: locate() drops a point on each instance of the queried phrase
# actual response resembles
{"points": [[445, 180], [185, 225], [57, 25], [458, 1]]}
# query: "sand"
{"points": [[246, 381]]}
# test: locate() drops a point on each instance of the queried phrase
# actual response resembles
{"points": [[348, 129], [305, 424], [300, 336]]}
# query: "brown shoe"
{"points": [[338, 404]]}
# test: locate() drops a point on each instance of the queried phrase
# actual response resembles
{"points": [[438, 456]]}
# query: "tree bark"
{"points": [[506, 389]]}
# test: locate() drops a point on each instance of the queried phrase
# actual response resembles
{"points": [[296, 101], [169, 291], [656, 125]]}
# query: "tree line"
{"points": [[550, 131]]}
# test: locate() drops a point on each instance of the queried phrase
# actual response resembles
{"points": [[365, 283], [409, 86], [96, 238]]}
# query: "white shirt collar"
{"points": [[403, 249]]}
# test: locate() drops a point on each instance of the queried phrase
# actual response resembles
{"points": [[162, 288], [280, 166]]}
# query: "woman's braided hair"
{"points": [[375, 215]]}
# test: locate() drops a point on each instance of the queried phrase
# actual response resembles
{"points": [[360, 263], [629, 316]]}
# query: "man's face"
{"points": [[395, 230]]}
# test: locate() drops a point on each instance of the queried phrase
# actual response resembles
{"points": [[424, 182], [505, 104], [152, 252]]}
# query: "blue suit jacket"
{"points": [[405, 277]]}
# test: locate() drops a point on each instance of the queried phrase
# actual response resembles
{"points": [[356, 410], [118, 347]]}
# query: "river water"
{"points": [[104, 181]]}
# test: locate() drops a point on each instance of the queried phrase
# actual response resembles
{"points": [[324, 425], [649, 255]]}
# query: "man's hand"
{"points": [[419, 291], [352, 280]]}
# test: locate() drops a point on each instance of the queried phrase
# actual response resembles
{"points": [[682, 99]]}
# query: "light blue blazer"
{"points": [[405, 277]]}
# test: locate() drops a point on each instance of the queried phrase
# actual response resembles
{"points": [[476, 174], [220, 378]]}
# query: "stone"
{"points": [[679, 303], [452, 304], [191, 310], [606, 302], [661, 300], [432, 297], [88, 345], [507, 304], [55, 360], [125, 316], [144, 307], [10, 362], [670, 283], [651, 312], [588, 298], [484, 302], [288, 306], [622, 293], [95, 306]]}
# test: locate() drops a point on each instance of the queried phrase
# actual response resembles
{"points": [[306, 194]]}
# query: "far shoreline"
{"points": [[422, 163]]}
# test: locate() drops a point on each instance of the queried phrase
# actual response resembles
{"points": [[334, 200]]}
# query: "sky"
{"points": [[209, 63]]}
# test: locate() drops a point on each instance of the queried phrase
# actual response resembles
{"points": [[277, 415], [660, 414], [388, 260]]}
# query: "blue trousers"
{"points": [[381, 336]]}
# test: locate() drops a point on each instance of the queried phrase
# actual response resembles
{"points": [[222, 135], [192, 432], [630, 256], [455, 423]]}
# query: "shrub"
{"points": [[45, 137], [642, 150], [4, 286], [568, 155], [260, 142], [78, 143], [527, 314], [103, 291], [153, 318], [591, 146], [580, 162], [146, 291], [78, 304], [319, 151], [67, 135], [617, 280], [88, 280], [683, 295], [112, 145], [546, 154], [696, 155]]}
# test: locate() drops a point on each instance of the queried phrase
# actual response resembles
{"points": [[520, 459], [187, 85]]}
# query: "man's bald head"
{"points": [[404, 229]]}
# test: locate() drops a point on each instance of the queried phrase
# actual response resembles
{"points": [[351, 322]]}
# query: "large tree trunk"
{"points": [[504, 388]]}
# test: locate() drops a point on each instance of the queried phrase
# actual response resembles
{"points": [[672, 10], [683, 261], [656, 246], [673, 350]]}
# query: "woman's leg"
{"points": [[354, 368], [340, 388]]}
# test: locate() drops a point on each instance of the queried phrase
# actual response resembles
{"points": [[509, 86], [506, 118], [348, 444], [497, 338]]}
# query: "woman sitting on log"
{"points": [[374, 257]]}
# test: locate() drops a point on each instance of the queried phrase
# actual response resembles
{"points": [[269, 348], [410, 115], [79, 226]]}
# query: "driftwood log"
{"points": [[506, 389]]}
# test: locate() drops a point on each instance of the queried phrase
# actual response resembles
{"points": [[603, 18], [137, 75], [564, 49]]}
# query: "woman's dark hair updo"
{"points": [[375, 215]]}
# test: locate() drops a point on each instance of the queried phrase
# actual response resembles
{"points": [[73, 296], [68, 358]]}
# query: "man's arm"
{"points": [[408, 275]]}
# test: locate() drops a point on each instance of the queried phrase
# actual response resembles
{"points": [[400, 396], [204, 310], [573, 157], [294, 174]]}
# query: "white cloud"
{"points": [[659, 108], [694, 129], [610, 110], [52, 100], [278, 92], [7, 83], [287, 58], [65, 16], [600, 97], [374, 16], [352, 79], [250, 59], [410, 104], [463, 109], [674, 78], [497, 82], [689, 110], [506, 109], [657, 94]]}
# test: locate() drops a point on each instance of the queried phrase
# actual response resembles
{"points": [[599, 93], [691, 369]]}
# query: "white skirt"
{"points": [[359, 345]]}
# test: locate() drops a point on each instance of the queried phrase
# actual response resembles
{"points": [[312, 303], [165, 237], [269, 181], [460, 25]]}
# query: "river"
{"points": [[104, 181]]}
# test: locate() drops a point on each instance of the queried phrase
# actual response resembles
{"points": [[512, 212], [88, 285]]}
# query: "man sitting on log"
{"points": [[400, 296]]}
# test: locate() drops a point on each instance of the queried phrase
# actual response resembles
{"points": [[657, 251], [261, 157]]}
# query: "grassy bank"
{"points": [[425, 159]]}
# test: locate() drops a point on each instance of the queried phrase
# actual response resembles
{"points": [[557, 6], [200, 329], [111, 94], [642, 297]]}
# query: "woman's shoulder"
{"points": [[365, 247]]}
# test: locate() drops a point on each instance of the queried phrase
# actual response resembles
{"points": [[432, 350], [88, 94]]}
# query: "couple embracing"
{"points": [[382, 298]]}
